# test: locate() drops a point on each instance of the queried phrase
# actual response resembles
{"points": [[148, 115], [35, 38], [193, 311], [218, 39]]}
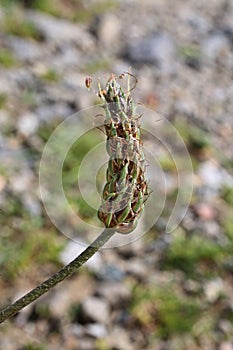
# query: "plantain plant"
{"points": [[126, 187]]}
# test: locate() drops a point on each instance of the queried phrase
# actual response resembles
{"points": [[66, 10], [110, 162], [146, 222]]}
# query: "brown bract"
{"points": [[126, 187]]}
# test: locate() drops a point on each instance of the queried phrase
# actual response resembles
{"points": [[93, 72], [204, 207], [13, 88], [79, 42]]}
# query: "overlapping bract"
{"points": [[126, 188]]}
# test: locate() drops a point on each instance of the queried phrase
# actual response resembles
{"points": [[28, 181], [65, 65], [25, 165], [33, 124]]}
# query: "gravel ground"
{"points": [[166, 291]]}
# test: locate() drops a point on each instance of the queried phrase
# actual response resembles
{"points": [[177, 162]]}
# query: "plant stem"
{"points": [[59, 276]]}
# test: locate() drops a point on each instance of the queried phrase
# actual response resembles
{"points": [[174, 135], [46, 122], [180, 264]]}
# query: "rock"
{"points": [[199, 23], [214, 289], [4, 117], [26, 50], [77, 330], [137, 268], [96, 330], [58, 30], [21, 78], [96, 309], [108, 30], [2, 182], [155, 49], [215, 46], [84, 344], [228, 32], [48, 113], [213, 176], [70, 293], [119, 339], [22, 181], [192, 286], [213, 230], [185, 104], [6, 84], [27, 124], [135, 248], [111, 272], [68, 56], [31, 204], [225, 326], [205, 211], [14, 159], [226, 346], [117, 294]]}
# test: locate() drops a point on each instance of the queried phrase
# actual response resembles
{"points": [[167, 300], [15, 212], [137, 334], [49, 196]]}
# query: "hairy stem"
{"points": [[59, 276]]}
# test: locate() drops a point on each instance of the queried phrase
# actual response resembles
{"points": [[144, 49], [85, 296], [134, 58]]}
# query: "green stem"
{"points": [[59, 276]]}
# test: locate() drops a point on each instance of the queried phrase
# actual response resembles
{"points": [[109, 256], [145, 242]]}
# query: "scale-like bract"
{"points": [[126, 187]]}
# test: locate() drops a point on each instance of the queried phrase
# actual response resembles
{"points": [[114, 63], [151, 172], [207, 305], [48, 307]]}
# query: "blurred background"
{"points": [[165, 291]]}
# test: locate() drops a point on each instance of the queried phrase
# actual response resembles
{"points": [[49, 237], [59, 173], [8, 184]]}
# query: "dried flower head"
{"points": [[88, 82], [126, 187]]}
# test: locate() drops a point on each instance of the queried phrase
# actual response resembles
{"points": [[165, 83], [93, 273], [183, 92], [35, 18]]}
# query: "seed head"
{"points": [[88, 82], [126, 187]]}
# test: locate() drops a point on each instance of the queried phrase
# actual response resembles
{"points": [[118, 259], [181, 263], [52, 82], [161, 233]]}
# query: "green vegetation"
{"points": [[189, 253], [71, 166], [31, 346], [22, 28], [45, 131], [195, 138], [50, 76], [74, 10], [7, 59], [84, 12], [228, 227], [102, 344], [227, 194], [227, 163], [25, 249], [3, 100], [167, 163], [70, 172], [47, 6], [164, 312], [15, 23], [161, 311], [97, 65], [28, 98], [191, 54], [25, 240]]}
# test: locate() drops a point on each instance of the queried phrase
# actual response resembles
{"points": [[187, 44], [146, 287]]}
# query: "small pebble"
{"points": [[22, 181], [115, 293], [28, 124], [215, 46], [108, 30], [157, 49], [26, 50], [111, 272], [96, 309], [211, 174], [96, 330], [205, 211], [32, 204], [58, 30], [213, 289], [2, 182], [226, 346]]}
